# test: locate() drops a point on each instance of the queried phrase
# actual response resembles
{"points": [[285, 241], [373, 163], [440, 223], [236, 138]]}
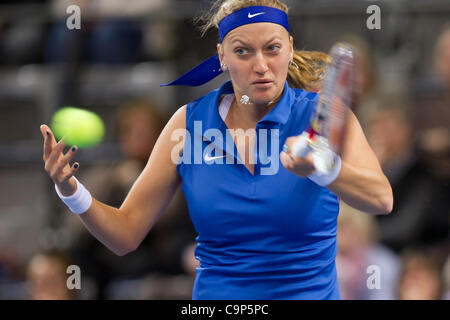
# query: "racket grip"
{"points": [[302, 146], [323, 157]]}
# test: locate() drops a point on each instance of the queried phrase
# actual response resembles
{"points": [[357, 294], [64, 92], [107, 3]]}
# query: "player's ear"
{"points": [[291, 40], [220, 52]]}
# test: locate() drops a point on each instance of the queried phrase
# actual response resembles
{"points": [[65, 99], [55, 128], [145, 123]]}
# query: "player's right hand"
{"points": [[57, 164], [295, 164]]}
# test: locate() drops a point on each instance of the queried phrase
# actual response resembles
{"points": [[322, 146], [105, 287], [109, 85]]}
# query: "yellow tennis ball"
{"points": [[78, 127]]}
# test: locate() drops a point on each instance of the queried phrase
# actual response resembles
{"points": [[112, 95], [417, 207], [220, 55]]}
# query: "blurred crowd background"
{"points": [[113, 66]]}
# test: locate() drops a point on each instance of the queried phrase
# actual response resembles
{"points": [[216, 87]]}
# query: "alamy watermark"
{"points": [[373, 22], [211, 147], [74, 280], [73, 22], [374, 279]]}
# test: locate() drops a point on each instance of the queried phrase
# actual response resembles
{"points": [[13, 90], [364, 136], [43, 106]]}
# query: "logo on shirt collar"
{"points": [[209, 158]]}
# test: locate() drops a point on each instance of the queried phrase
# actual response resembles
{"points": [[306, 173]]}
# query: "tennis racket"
{"points": [[328, 124]]}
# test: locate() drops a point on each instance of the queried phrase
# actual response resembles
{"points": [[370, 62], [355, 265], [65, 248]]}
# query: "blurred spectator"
{"points": [[431, 123], [112, 41], [391, 138], [167, 248], [442, 57], [9, 264], [111, 32], [420, 278], [357, 251], [12, 277], [47, 277], [420, 213], [22, 43], [22, 40], [432, 111]]}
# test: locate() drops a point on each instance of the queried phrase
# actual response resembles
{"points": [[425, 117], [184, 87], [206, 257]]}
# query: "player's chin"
{"points": [[264, 96]]}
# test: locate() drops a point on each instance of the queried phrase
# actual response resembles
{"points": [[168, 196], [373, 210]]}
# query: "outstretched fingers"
{"points": [[49, 141], [72, 170], [62, 169], [55, 154]]}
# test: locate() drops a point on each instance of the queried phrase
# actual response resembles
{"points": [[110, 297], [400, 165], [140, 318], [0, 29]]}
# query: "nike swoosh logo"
{"points": [[209, 158], [254, 15]]}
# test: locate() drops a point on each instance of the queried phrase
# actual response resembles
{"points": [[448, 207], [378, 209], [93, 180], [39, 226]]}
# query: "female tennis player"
{"points": [[260, 236]]}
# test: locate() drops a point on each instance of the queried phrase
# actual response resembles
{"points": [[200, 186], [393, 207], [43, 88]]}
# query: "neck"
{"points": [[249, 114]]}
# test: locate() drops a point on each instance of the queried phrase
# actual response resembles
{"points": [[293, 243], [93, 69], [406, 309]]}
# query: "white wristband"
{"points": [[80, 201], [325, 178]]}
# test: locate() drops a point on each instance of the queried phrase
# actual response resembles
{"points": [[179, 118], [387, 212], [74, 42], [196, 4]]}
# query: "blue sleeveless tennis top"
{"points": [[271, 235]]}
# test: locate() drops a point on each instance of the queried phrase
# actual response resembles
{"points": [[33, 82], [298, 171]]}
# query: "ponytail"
{"points": [[307, 70]]}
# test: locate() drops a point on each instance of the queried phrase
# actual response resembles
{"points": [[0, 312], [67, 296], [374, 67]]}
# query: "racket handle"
{"points": [[302, 146], [324, 158]]}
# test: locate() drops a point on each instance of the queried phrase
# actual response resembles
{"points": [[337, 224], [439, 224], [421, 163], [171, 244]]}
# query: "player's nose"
{"points": [[260, 64]]}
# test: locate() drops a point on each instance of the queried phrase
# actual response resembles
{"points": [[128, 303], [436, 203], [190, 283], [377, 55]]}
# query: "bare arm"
{"points": [[361, 182], [123, 229]]}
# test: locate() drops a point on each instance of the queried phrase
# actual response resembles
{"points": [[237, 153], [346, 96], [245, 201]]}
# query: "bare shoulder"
{"points": [[173, 133], [178, 119]]}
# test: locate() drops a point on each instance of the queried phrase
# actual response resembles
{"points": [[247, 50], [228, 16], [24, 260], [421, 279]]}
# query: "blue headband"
{"points": [[210, 68], [252, 15]]}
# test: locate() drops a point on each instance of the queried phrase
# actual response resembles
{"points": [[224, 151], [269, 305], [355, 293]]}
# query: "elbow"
{"points": [[125, 250], [387, 202], [127, 242], [121, 252], [387, 207]]}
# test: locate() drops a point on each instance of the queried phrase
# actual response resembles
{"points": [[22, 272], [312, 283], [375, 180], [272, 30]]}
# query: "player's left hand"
{"points": [[299, 166]]}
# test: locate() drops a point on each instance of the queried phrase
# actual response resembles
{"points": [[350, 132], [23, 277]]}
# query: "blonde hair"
{"points": [[308, 67]]}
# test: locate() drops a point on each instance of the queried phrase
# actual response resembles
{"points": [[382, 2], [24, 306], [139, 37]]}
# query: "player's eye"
{"points": [[274, 47], [240, 51]]}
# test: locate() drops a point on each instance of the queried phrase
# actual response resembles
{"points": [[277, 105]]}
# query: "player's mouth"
{"points": [[262, 83]]}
